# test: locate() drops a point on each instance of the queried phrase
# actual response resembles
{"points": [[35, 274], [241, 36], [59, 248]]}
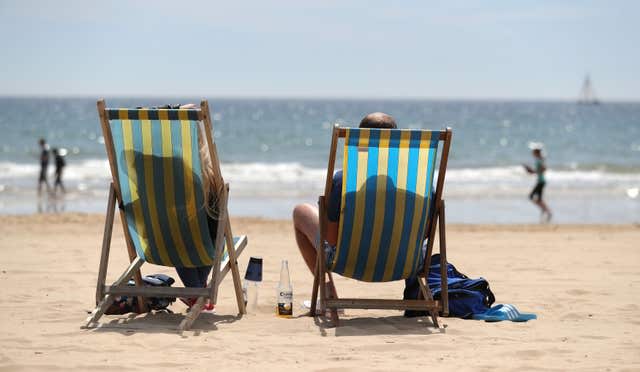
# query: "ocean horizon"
{"points": [[274, 153]]}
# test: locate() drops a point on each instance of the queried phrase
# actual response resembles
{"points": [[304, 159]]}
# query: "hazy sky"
{"points": [[517, 49]]}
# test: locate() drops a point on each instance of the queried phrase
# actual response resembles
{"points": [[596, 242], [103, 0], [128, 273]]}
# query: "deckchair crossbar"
{"points": [[154, 114], [342, 132], [157, 291], [384, 304]]}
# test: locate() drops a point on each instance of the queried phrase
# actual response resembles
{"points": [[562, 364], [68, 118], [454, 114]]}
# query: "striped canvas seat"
{"points": [[160, 178], [157, 182], [388, 215], [386, 201]]}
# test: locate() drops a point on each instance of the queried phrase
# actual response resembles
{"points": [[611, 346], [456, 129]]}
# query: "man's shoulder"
{"points": [[337, 178], [337, 175]]}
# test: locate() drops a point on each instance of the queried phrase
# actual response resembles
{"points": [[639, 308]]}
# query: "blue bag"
{"points": [[466, 296]]}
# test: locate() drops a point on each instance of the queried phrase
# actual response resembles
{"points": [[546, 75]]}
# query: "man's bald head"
{"points": [[378, 120]]}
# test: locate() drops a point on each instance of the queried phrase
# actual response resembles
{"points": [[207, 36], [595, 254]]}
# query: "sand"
{"points": [[583, 282]]}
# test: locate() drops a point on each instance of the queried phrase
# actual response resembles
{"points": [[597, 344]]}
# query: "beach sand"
{"points": [[583, 282]]}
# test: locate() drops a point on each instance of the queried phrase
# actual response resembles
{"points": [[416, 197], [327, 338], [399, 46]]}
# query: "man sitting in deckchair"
{"points": [[306, 217]]}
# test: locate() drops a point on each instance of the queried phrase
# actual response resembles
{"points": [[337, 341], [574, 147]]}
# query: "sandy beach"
{"points": [[583, 283]]}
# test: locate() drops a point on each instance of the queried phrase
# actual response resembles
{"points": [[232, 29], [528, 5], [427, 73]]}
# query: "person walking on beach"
{"points": [[60, 164], [44, 164], [536, 194]]}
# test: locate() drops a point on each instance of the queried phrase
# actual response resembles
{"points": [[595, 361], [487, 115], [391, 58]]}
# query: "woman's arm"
{"points": [[528, 168]]}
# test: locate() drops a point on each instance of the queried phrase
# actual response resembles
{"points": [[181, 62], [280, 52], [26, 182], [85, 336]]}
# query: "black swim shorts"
{"points": [[536, 193]]}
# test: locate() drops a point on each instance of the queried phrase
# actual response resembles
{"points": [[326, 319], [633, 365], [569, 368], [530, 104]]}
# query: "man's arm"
{"points": [[333, 209], [332, 233]]}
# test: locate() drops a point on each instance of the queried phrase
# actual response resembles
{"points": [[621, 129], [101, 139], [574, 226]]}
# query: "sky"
{"points": [[321, 49]]}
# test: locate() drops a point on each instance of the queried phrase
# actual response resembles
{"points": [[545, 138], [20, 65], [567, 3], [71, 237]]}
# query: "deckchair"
{"points": [[157, 185], [387, 210]]}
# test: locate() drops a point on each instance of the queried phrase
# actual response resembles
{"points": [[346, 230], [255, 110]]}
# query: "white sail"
{"points": [[587, 93]]}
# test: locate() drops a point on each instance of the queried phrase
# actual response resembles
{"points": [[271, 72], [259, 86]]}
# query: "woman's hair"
{"points": [[208, 178]]}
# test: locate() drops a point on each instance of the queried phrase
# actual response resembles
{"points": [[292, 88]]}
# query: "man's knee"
{"points": [[305, 217], [297, 212], [302, 211]]}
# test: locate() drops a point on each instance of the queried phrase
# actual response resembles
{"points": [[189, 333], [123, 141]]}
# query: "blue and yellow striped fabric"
{"points": [[386, 202], [160, 181]]}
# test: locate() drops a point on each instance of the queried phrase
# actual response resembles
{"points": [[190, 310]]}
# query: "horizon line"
{"points": [[322, 98]]}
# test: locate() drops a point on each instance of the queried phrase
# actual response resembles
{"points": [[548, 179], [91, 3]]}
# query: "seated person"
{"points": [[197, 277], [307, 225]]}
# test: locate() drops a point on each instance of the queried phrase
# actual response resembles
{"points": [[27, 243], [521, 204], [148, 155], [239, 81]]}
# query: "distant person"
{"points": [[536, 194], [60, 164], [44, 165]]}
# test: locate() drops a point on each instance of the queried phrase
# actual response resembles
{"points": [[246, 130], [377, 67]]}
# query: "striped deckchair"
{"points": [[388, 208], [157, 183]]}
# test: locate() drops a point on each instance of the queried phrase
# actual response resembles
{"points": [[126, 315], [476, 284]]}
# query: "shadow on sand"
{"points": [[161, 322], [376, 326]]}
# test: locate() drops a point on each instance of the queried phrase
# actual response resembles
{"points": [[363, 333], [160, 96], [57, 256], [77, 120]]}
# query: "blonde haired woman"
{"points": [[197, 276]]}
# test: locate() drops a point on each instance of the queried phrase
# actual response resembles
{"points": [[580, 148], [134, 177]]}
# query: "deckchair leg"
{"points": [[333, 294], [137, 275], [98, 312], [193, 314], [108, 299], [444, 294], [426, 293], [322, 283], [319, 282], [219, 246], [321, 260], [314, 292], [106, 244], [323, 289], [235, 273]]}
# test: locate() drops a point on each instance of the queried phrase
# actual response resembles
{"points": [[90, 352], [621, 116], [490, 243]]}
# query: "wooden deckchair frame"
{"points": [[321, 273], [105, 294]]}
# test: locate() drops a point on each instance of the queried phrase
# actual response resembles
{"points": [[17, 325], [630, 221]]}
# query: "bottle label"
{"points": [[285, 303]]}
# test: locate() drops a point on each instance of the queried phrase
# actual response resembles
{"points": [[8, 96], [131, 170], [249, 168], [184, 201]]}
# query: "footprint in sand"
{"points": [[628, 307], [530, 354], [573, 316], [595, 337]]}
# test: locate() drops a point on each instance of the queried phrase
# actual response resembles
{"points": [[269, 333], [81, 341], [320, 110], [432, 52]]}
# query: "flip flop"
{"points": [[504, 312]]}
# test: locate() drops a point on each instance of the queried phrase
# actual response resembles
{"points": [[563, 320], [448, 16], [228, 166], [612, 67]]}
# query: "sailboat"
{"points": [[587, 93]]}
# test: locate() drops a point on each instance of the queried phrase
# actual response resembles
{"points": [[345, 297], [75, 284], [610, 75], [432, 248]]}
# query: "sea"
{"points": [[274, 154]]}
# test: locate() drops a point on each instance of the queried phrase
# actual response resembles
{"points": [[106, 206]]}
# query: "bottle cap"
{"points": [[254, 269]]}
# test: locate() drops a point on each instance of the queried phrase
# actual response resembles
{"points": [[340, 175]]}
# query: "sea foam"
{"points": [[295, 179]]}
